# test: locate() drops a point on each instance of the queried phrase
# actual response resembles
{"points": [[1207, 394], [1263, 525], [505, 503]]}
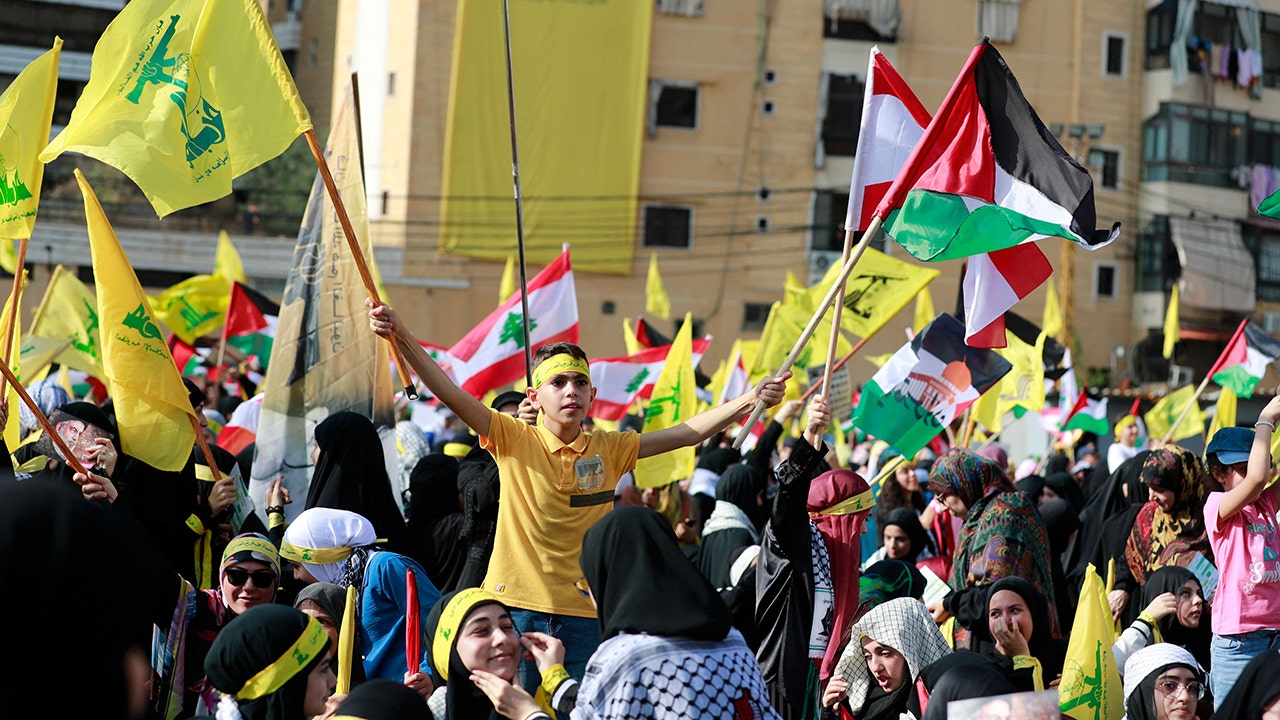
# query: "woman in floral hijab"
{"points": [[1169, 529]]}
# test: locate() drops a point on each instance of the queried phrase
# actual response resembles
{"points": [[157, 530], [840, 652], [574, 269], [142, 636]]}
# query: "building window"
{"points": [[1104, 280], [770, 76], [762, 224], [1270, 33], [1194, 144], [668, 226], [698, 327], [1264, 245], [754, 316], [1115, 53], [686, 8], [1106, 164], [829, 211], [868, 20], [1157, 262], [998, 19], [674, 104], [843, 115]]}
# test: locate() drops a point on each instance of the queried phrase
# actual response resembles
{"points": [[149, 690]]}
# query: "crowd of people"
{"points": [[528, 572]]}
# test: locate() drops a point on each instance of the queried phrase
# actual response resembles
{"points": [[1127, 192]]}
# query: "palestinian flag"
{"points": [[188, 358], [927, 384], [1088, 415], [988, 175], [251, 321], [1245, 360]]}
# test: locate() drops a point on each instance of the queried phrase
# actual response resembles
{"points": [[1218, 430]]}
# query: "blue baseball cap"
{"points": [[1231, 445]]}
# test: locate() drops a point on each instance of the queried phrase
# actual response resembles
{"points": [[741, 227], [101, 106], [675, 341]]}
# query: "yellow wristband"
{"points": [[552, 677]]}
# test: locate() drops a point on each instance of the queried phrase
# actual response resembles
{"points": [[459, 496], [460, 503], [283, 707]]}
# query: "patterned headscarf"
{"points": [[904, 625], [969, 476], [1162, 538]]}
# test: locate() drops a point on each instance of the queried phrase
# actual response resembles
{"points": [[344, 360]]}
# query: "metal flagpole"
{"points": [[515, 179]]}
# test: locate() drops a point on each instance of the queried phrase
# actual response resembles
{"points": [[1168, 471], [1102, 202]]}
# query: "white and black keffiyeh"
{"points": [[903, 624], [660, 678], [823, 594], [727, 516]]}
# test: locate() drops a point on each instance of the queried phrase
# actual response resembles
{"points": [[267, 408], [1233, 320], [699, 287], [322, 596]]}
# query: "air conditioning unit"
{"points": [[1271, 323], [820, 261]]}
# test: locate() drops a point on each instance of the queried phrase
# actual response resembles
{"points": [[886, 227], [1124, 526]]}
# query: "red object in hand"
{"points": [[412, 633]]}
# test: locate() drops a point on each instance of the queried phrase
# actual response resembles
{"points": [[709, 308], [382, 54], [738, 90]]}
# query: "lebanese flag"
{"points": [[993, 284], [492, 354], [620, 380], [987, 175], [738, 382], [441, 355], [893, 121], [242, 428], [1245, 359]]}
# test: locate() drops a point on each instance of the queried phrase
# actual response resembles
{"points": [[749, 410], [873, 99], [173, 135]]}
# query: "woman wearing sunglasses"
{"points": [[248, 577]]}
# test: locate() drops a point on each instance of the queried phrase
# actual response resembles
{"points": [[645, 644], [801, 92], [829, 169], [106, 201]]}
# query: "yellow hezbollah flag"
{"points": [[1091, 688], [226, 262], [781, 330], [674, 401], [655, 292], [581, 123], [878, 287], [1165, 413], [1171, 329], [508, 286], [1023, 386], [37, 354], [184, 96], [69, 311], [629, 337], [12, 430], [153, 410], [1224, 414], [194, 307], [26, 112], [924, 311], [1051, 320]]}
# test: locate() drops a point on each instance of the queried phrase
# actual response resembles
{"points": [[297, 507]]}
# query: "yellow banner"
{"points": [[1224, 413], [183, 97], [153, 410], [1023, 386], [1165, 413], [323, 359], [37, 354], [194, 307], [1091, 688], [878, 287], [783, 327], [656, 300], [674, 401], [226, 262], [12, 430], [26, 112], [69, 311], [581, 71]]}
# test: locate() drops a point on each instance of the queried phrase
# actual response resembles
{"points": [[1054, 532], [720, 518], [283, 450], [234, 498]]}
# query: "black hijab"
{"points": [[1060, 520], [1094, 543], [351, 474], [258, 638], [964, 682], [737, 485], [1170, 579], [435, 520], [433, 488], [931, 674], [384, 700], [718, 459], [331, 598], [58, 547], [906, 518], [463, 700], [1066, 488], [1041, 644], [1257, 686], [631, 557], [1032, 485]]}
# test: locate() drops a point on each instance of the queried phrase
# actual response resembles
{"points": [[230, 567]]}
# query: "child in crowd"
{"points": [[557, 481]]}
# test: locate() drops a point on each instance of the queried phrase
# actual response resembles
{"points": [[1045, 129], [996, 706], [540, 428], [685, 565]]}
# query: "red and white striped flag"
{"points": [[619, 381], [738, 381], [893, 121], [492, 354]]}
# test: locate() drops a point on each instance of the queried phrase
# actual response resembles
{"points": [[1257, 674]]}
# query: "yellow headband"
{"points": [[563, 362], [313, 556], [450, 622], [254, 544], [856, 504], [298, 656]]}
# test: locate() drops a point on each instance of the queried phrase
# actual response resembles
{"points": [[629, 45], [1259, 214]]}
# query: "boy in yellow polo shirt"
{"points": [[557, 481]]}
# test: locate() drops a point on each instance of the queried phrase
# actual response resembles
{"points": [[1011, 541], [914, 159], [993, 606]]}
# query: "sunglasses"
{"points": [[262, 579]]}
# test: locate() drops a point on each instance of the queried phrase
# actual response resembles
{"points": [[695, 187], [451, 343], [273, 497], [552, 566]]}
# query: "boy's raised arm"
{"points": [[385, 321], [705, 424]]}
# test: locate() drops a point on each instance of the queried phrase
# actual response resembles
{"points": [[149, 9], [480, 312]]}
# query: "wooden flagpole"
{"points": [[836, 287], [837, 309], [14, 297], [40, 418], [515, 180], [369, 285]]}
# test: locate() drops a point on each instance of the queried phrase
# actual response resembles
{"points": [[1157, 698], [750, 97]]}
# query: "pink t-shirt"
{"points": [[1247, 549]]}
